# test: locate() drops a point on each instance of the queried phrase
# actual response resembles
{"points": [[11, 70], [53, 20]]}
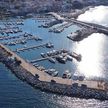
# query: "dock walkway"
{"points": [[42, 59], [47, 45], [31, 47]]}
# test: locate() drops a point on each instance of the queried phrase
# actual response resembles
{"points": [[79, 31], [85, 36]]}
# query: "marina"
{"points": [[52, 67], [53, 53]]}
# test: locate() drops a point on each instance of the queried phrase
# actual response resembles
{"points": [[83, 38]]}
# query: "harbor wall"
{"points": [[70, 90]]}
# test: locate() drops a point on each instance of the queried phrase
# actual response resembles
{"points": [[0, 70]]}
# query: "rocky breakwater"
{"points": [[75, 89]]}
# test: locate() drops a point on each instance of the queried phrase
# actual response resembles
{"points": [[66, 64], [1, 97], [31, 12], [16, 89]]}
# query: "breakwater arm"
{"points": [[39, 79]]}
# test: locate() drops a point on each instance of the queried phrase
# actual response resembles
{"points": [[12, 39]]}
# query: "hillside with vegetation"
{"points": [[42, 6]]}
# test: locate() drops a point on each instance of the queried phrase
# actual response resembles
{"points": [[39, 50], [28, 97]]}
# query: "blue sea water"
{"points": [[17, 94]]}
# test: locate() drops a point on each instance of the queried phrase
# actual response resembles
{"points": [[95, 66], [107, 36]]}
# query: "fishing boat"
{"points": [[61, 59], [69, 58], [67, 74], [43, 55], [52, 60], [54, 74], [49, 45]]}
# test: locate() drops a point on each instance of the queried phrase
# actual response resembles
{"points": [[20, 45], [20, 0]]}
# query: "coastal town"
{"points": [[41, 46]]}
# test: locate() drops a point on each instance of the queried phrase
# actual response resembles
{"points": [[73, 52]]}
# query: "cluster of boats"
{"points": [[14, 37], [52, 23], [41, 68], [23, 40], [20, 22], [17, 21], [63, 58], [11, 27], [60, 28], [53, 53], [78, 76], [10, 30], [60, 55], [49, 45], [52, 72], [15, 42], [67, 74]]}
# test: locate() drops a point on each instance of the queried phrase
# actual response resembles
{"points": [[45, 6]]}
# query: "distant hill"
{"points": [[27, 6]]}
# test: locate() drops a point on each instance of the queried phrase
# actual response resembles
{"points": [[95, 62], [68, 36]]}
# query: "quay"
{"points": [[81, 34], [43, 81]]}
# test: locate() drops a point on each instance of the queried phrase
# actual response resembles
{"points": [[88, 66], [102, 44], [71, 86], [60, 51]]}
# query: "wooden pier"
{"points": [[42, 59], [60, 28], [31, 47]]}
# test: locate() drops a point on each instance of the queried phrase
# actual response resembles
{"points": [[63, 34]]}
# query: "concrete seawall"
{"points": [[39, 79]]}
